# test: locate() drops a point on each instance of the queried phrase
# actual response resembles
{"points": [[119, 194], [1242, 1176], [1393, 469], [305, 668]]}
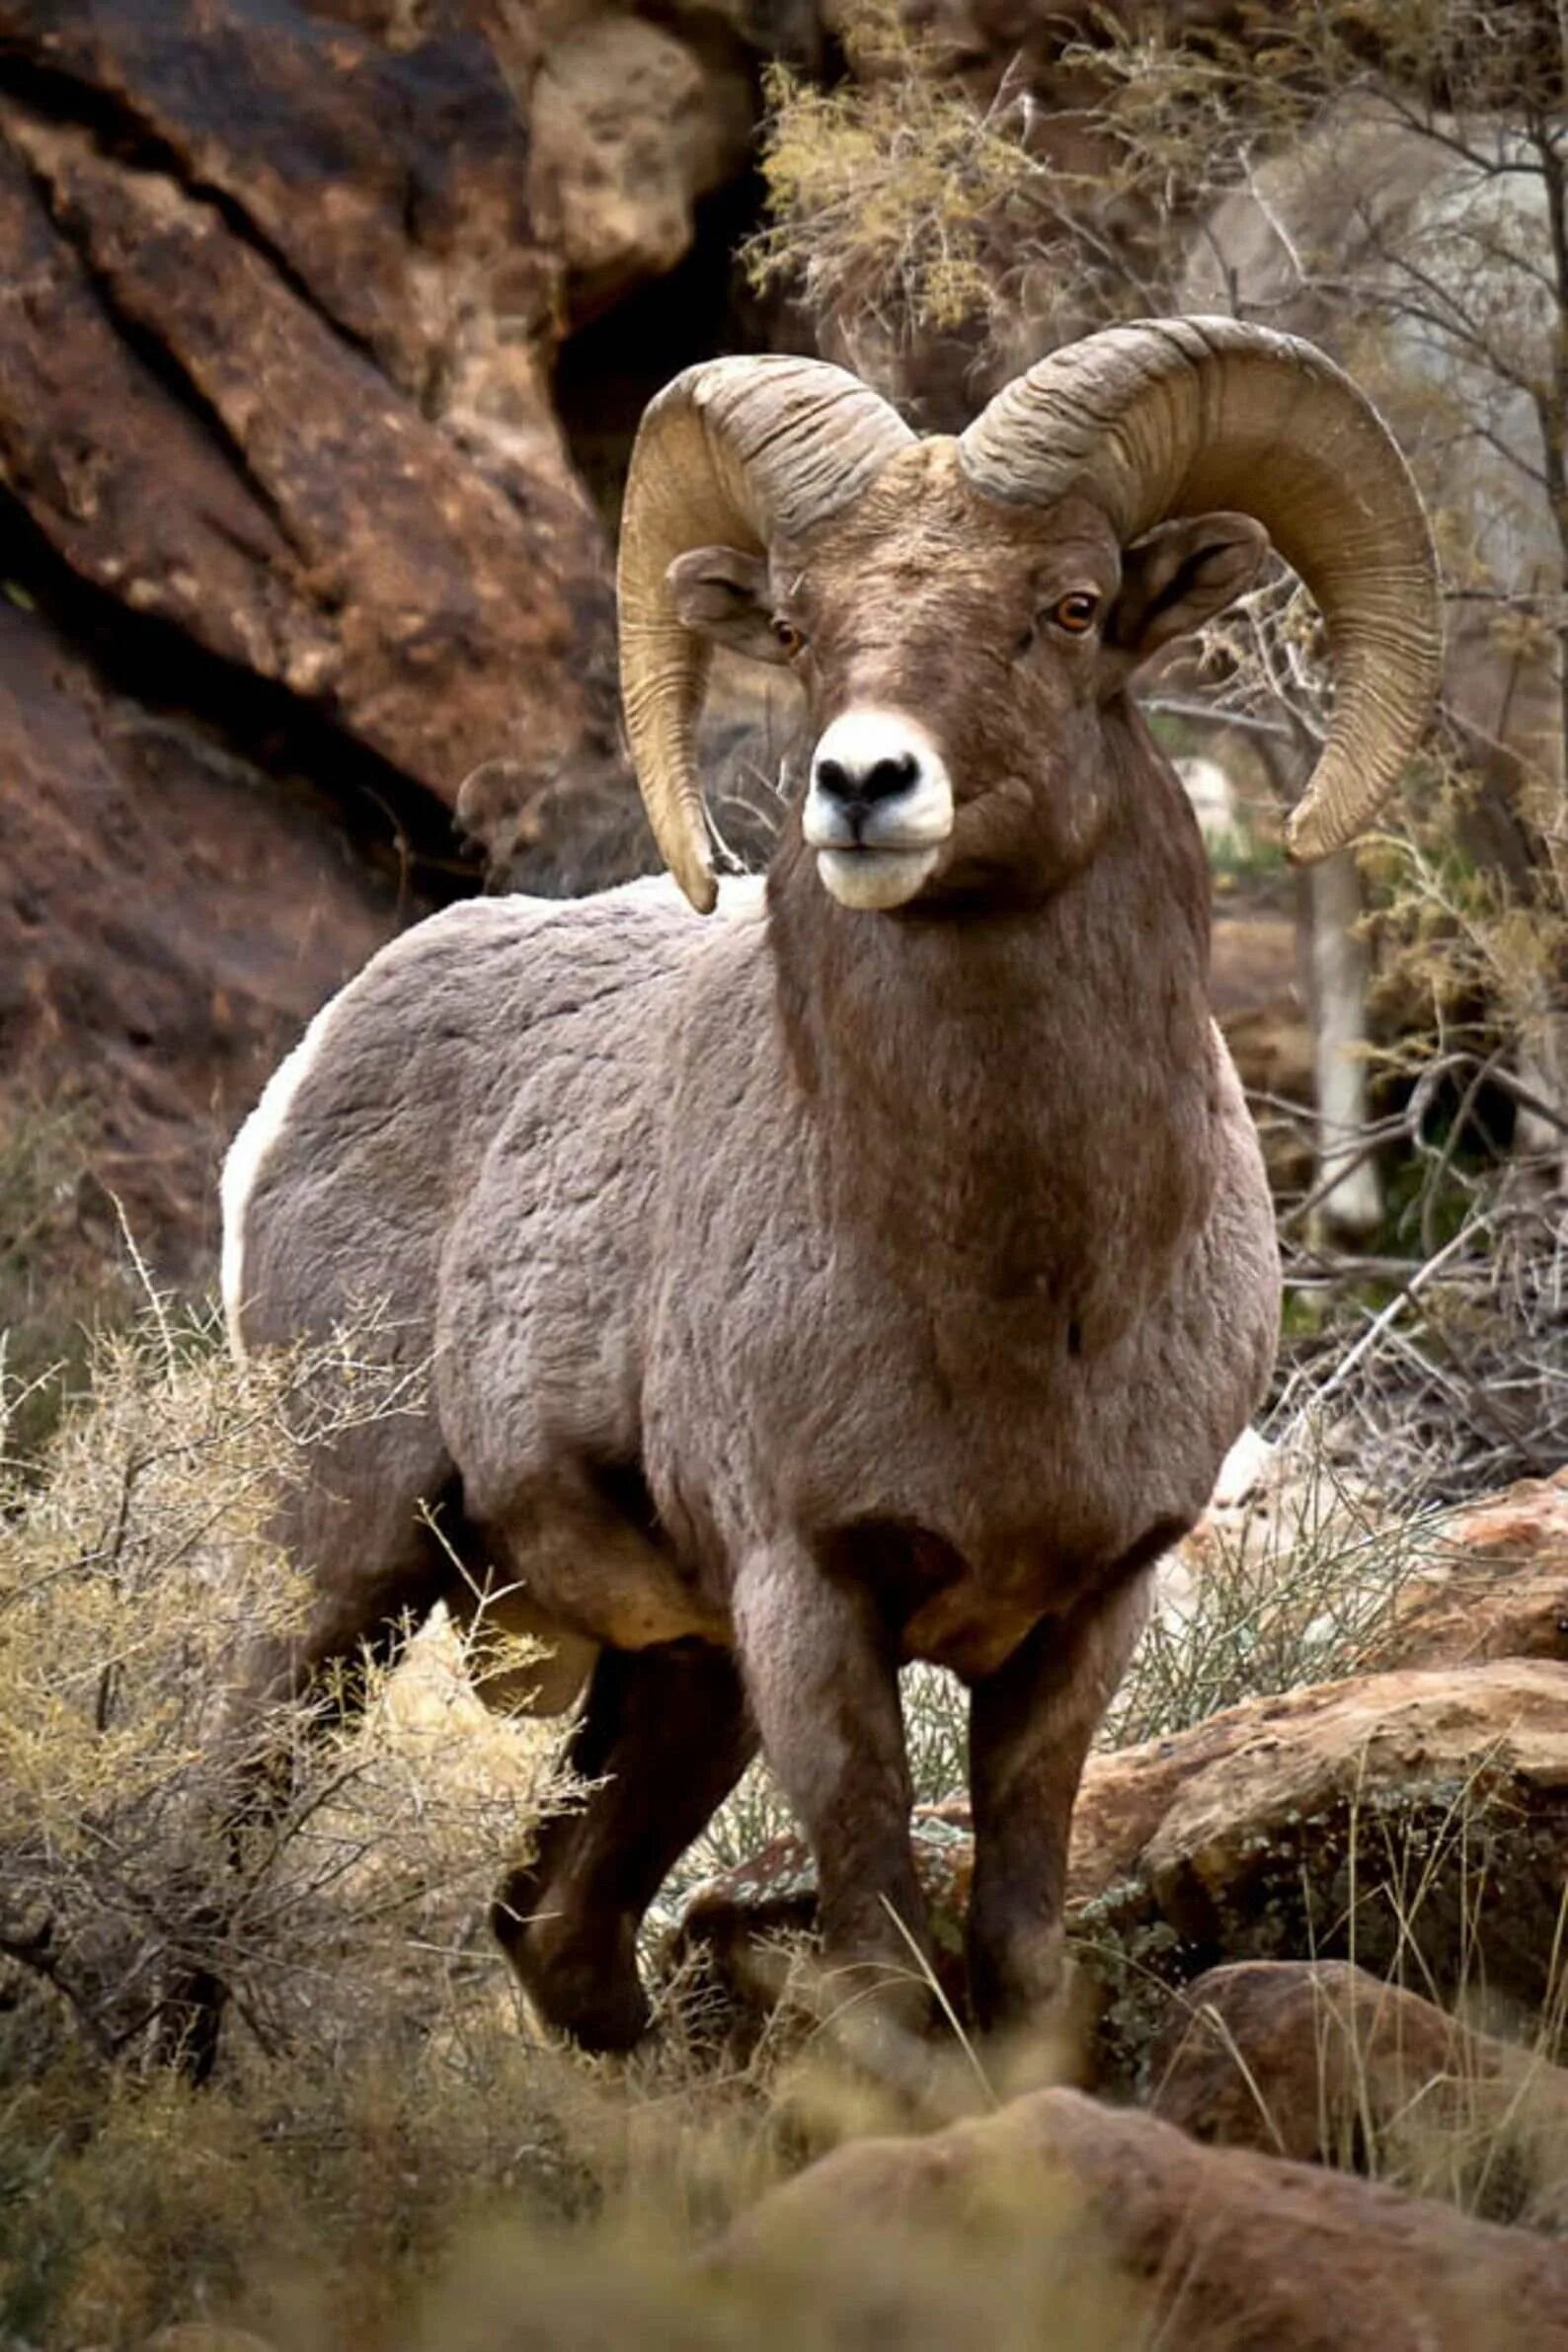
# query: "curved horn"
{"points": [[733, 451], [1178, 416]]}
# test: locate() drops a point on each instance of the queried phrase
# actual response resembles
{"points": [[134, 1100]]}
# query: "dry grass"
{"points": [[1473, 2112], [1300, 1586]]}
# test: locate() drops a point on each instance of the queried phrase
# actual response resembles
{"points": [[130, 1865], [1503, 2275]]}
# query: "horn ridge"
{"points": [[734, 452], [1168, 417]]}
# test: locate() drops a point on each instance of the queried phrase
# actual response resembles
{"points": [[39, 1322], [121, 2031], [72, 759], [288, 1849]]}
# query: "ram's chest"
{"points": [[834, 1404], [1016, 1500]]}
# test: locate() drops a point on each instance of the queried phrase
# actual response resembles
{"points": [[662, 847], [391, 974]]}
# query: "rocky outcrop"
{"points": [[292, 544], [634, 127], [1494, 1586], [1116, 2228], [1324, 2063], [1281, 1827], [171, 913], [235, 395]]}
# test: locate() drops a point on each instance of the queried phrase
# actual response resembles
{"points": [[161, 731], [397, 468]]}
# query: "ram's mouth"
{"points": [[874, 879]]}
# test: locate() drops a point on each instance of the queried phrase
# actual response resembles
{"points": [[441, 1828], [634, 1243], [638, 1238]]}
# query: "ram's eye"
{"points": [[1075, 613], [789, 638]]}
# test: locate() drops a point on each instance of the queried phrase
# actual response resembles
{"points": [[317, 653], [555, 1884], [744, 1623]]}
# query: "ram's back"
{"points": [[355, 1166]]}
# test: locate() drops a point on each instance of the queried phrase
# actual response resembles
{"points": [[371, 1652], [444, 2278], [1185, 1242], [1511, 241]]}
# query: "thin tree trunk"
{"points": [[1351, 1206]]}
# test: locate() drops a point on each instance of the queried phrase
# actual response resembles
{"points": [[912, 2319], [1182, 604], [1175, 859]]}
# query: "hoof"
{"points": [[579, 1975]]}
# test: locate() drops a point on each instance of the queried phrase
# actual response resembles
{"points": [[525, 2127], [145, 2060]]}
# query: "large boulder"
{"points": [[194, 436], [375, 158], [1108, 2228], [1323, 2061]]}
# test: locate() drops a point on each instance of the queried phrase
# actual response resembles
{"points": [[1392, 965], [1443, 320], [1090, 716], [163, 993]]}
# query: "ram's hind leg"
{"points": [[665, 1735], [358, 1527]]}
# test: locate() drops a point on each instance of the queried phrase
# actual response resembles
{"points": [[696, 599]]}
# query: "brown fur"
{"points": [[814, 1289]]}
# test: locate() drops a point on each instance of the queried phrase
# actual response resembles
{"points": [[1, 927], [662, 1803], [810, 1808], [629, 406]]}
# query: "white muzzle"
{"points": [[879, 807]]}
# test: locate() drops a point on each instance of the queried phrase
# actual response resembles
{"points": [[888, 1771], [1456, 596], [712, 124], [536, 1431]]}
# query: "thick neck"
{"points": [[1016, 1106]]}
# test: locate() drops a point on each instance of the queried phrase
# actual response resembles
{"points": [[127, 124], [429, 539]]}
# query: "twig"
{"points": [[1381, 1322]]}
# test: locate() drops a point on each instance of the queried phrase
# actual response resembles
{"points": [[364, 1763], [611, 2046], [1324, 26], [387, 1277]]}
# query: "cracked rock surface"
{"points": [[292, 543]]}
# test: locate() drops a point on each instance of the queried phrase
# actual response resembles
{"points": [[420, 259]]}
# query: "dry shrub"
{"points": [[148, 1828], [894, 199], [328, 1862], [1456, 1383], [133, 1564], [1299, 1587]]}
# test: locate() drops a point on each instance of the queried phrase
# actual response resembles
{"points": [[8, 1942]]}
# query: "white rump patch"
{"points": [[248, 1153]]}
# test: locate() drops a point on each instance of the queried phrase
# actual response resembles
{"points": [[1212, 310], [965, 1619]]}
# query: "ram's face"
{"points": [[956, 657]]}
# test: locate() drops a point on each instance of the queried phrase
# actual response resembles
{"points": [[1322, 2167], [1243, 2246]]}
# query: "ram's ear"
{"points": [[1177, 575], [722, 594]]}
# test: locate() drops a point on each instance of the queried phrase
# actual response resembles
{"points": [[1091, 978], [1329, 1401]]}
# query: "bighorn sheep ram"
{"points": [[882, 1271]]}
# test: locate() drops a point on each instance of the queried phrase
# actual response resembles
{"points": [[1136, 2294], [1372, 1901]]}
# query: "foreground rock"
{"points": [[1322, 2062], [1417, 1818], [1109, 2229]]}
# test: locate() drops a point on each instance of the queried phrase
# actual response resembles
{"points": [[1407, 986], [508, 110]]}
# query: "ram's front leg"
{"points": [[1030, 1724], [822, 1674]]}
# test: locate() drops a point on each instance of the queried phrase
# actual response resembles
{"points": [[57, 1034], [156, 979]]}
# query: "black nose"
{"points": [[859, 788]]}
